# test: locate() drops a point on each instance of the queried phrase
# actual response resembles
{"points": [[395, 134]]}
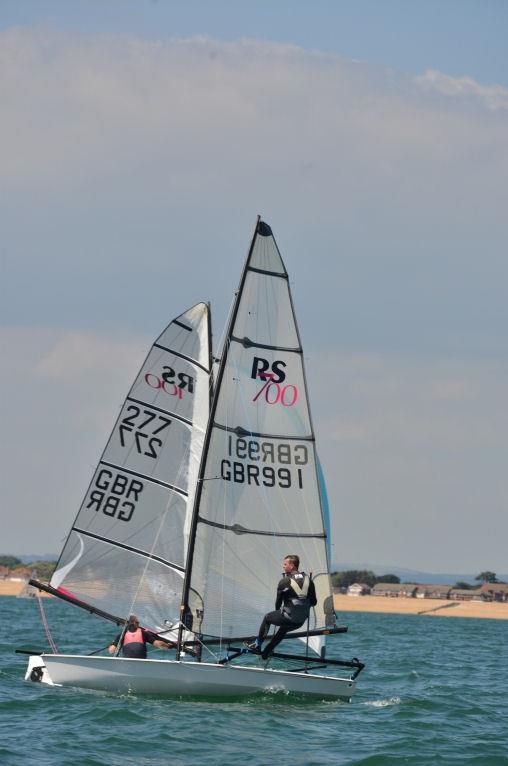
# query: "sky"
{"points": [[138, 142]]}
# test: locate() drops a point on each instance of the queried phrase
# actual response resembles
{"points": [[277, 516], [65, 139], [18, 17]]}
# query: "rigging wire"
{"points": [[45, 624]]}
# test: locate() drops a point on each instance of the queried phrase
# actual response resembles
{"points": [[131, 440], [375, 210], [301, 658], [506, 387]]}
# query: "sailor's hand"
{"points": [[112, 649]]}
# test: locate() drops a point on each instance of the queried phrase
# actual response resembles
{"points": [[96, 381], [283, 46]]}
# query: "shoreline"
{"points": [[431, 607]]}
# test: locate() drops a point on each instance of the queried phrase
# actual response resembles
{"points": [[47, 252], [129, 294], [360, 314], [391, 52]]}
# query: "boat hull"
{"points": [[181, 679]]}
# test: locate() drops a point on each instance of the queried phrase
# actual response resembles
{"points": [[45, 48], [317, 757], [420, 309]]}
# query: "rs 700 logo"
{"points": [[273, 375]]}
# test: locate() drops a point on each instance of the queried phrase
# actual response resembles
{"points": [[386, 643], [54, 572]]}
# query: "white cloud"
{"points": [[493, 96], [76, 108]]}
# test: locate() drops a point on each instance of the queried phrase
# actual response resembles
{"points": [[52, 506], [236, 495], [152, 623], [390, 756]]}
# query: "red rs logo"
{"points": [[275, 393], [170, 388]]}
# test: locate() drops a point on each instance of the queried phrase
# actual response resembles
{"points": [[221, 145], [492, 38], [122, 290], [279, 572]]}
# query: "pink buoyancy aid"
{"points": [[133, 644]]}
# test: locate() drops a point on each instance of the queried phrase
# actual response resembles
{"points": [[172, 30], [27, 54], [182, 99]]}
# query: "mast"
{"points": [[213, 407]]}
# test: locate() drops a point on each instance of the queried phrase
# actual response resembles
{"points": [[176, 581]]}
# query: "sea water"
{"points": [[433, 692]]}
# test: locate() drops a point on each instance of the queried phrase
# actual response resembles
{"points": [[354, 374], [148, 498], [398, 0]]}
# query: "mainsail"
{"points": [[128, 545], [258, 495]]}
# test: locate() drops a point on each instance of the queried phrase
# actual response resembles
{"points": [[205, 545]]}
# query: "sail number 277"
{"points": [[145, 425]]}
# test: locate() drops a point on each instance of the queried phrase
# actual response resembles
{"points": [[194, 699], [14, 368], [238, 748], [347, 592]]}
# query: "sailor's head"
{"points": [[133, 622], [291, 563]]}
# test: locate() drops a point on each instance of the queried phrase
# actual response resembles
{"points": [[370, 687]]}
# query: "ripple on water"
{"points": [[383, 703]]}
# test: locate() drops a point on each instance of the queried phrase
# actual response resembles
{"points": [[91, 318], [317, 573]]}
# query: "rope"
{"points": [[46, 626]]}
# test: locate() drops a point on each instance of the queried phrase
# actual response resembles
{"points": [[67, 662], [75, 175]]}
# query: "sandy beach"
{"points": [[11, 587], [14, 588], [431, 607]]}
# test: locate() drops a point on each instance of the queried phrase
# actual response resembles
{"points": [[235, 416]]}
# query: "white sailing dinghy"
{"points": [[200, 493]]}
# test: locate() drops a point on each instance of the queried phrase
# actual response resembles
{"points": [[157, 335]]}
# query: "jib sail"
{"points": [[128, 545]]}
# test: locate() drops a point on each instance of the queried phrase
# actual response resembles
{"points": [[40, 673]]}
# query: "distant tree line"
{"points": [[347, 578], [42, 570], [487, 577], [482, 578]]}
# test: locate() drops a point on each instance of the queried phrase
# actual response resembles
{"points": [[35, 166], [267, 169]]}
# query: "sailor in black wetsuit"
{"points": [[295, 596]]}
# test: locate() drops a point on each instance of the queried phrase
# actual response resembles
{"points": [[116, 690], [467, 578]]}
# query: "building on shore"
{"points": [[20, 574], [433, 591], [494, 591], [358, 589], [394, 590], [461, 594]]}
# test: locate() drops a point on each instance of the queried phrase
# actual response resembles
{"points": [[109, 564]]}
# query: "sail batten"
{"points": [[240, 431], [248, 343], [182, 356], [181, 324], [145, 477], [268, 273], [129, 548], [239, 530]]}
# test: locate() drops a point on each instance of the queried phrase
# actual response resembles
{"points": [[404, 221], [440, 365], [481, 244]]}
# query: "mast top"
{"points": [[263, 229]]}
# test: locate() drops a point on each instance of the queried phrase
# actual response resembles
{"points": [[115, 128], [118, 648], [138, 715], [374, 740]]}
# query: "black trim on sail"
{"points": [[248, 343], [240, 431], [269, 273], [146, 477], [181, 324], [182, 356], [239, 530], [210, 356], [129, 548]]}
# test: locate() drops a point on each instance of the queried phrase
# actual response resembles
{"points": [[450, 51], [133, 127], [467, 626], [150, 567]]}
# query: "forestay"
{"points": [[259, 497], [128, 546]]}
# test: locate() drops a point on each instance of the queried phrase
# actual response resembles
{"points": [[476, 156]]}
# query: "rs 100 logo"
{"points": [[173, 383]]}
